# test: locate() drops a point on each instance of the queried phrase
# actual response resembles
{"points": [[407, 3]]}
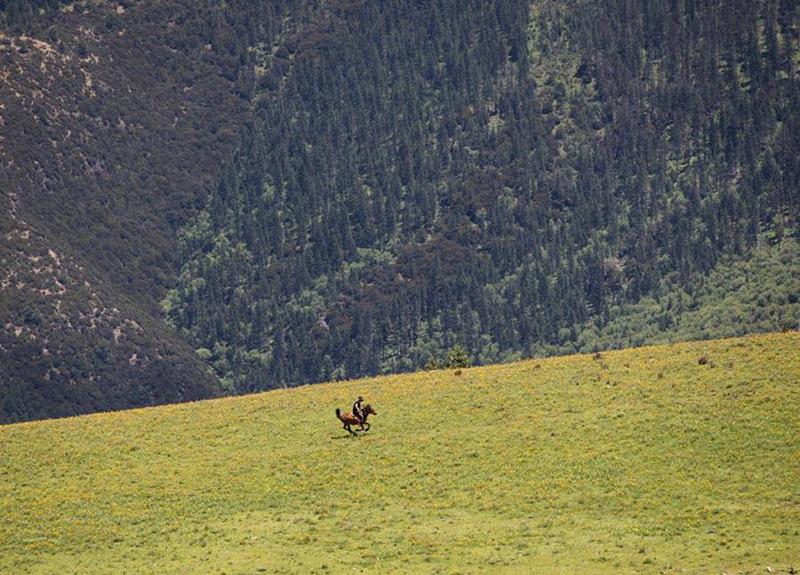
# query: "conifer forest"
{"points": [[275, 193]]}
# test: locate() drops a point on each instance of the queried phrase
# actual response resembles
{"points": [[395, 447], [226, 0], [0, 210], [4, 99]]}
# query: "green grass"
{"points": [[639, 461]]}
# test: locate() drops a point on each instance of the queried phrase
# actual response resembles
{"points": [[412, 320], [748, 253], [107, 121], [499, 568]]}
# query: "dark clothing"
{"points": [[357, 410]]}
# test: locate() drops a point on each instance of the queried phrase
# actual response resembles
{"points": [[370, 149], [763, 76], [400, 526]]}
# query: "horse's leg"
{"points": [[347, 427], [368, 426]]}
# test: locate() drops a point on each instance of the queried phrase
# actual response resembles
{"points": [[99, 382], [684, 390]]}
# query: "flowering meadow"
{"points": [[658, 459]]}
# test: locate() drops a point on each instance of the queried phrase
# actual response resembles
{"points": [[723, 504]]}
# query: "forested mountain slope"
{"points": [[502, 175], [360, 186]]}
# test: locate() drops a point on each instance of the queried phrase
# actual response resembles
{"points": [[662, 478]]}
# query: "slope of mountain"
{"points": [[309, 191], [114, 120], [501, 175], [639, 461]]}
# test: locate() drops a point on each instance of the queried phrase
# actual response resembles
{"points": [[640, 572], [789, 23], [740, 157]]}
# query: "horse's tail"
{"points": [[338, 413]]}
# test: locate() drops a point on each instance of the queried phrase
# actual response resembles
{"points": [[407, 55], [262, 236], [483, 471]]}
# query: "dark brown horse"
{"points": [[349, 419]]}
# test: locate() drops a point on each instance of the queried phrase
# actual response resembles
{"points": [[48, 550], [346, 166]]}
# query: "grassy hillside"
{"points": [[642, 460]]}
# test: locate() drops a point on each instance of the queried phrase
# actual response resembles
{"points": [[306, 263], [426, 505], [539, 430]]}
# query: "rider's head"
{"points": [[360, 398]]}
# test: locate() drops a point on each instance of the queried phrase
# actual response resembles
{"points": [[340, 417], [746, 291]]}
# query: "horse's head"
{"points": [[369, 411]]}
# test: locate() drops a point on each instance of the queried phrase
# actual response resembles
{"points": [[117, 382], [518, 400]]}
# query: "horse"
{"points": [[349, 419]]}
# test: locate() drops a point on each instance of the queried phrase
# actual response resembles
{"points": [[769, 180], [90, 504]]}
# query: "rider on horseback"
{"points": [[357, 409]]}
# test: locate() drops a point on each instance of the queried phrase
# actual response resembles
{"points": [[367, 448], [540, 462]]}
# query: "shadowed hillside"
{"points": [[114, 122], [202, 198]]}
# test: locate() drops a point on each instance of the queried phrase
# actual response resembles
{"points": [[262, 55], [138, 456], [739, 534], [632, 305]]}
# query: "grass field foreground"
{"points": [[637, 461]]}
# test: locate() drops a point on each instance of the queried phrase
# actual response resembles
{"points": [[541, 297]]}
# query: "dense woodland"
{"points": [[506, 177], [324, 190]]}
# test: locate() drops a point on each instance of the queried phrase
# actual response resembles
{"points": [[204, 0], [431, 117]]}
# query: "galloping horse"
{"points": [[349, 419]]}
